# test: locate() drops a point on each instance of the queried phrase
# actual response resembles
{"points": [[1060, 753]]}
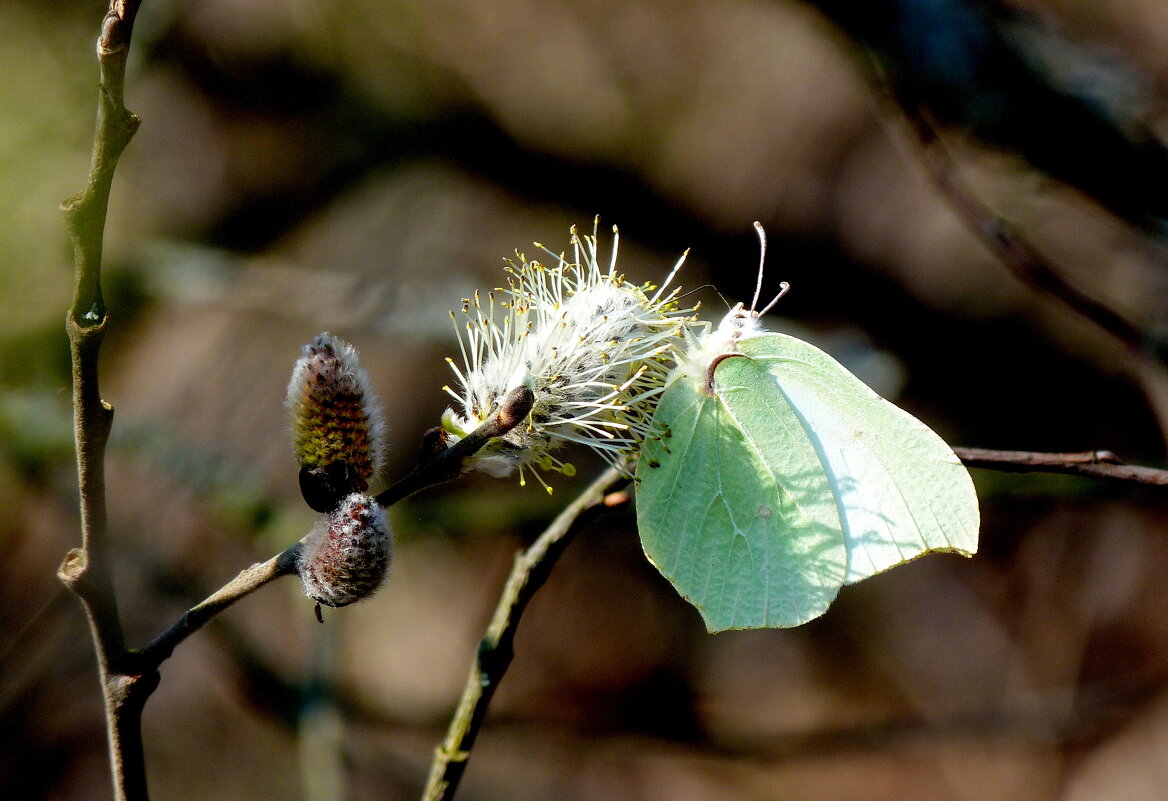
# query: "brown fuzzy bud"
{"points": [[336, 423], [348, 555]]}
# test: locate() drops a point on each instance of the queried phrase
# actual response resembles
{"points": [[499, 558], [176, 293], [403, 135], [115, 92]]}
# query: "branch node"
{"points": [[453, 756], [73, 567]]}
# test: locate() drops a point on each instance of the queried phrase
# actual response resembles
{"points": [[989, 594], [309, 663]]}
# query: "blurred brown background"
{"points": [[359, 167]]}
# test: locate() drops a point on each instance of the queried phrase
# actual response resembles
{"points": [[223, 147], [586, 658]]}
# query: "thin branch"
{"points": [[442, 464], [87, 570], [1094, 464], [495, 652], [85, 213], [248, 581]]}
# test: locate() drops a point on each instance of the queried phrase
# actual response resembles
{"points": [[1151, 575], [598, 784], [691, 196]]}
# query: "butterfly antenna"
{"points": [[761, 262], [783, 287]]}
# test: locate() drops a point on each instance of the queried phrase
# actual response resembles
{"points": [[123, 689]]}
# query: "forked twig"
{"points": [[439, 466]]}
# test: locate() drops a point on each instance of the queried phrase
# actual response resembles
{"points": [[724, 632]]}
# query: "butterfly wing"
{"points": [[733, 506], [900, 490]]}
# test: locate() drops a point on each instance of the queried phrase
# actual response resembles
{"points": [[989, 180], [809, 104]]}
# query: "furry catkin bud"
{"points": [[336, 422], [348, 555]]}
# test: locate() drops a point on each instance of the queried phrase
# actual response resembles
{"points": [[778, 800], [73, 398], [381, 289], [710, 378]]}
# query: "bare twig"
{"points": [[248, 581], [85, 213], [530, 571], [1095, 464], [87, 570]]}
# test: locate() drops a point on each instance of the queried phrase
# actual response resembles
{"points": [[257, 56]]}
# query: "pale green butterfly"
{"points": [[774, 477]]}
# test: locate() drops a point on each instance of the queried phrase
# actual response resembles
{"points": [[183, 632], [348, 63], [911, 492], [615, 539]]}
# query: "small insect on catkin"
{"points": [[336, 423], [347, 556]]}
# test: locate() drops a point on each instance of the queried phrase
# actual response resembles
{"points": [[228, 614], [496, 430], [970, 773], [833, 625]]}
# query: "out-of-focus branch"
{"points": [[1015, 82], [1095, 464], [1009, 245], [530, 571]]}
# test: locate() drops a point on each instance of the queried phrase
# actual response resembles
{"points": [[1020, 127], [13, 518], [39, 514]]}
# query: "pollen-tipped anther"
{"points": [[591, 350]]}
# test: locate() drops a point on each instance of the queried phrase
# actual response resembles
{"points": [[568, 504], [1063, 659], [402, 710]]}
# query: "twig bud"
{"points": [[348, 555], [516, 406]]}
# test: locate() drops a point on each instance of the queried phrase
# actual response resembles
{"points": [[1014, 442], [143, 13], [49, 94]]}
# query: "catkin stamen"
{"points": [[594, 349]]}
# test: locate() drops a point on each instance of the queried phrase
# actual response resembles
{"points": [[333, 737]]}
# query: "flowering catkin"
{"points": [[336, 422], [348, 555], [594, 348]]}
